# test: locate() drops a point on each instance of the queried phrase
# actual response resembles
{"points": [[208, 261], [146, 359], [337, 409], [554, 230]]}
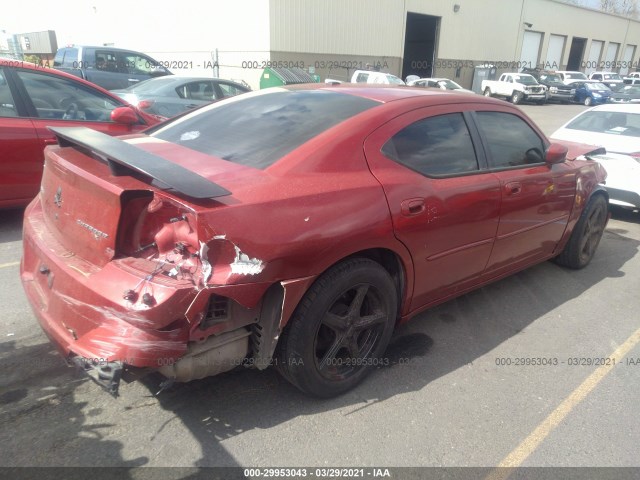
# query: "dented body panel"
{"points": [[120, 268]]}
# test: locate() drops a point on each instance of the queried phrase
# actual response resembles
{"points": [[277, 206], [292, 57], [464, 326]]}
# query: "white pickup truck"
{"points": [[517, 87]]}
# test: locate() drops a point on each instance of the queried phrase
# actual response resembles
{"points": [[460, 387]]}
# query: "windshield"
{"points": [[258, 129], [526, 79], [575, 75], [596, 86], [614, 123], [611, 76], [551, 78]]}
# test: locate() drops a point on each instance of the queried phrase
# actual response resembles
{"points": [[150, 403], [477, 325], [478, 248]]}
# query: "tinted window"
{"points": [[107, 61], [434, 146], [7, 106], [511, 141], [257, 130], [64, 99]]}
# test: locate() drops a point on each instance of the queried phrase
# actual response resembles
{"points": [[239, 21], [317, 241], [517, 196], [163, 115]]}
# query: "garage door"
{"points": [[554, 52], [530, 49], [594, 56]]}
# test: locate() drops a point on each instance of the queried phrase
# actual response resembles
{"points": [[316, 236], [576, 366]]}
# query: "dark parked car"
{"points": [[591, 93], [108, 67], [556, 88], [627, 94], [32, 99], [171, 95], [294, 227]]}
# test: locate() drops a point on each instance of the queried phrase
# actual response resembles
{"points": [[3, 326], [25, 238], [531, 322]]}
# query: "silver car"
{"points": [[171, 95]]}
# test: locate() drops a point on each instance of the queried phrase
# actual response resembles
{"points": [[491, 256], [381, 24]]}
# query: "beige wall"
{"points": [[487, 30]]}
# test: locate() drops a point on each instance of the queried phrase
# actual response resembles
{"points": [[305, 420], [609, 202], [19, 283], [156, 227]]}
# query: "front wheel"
{"points": [[586, 235], [340, 329], [516, 98]]}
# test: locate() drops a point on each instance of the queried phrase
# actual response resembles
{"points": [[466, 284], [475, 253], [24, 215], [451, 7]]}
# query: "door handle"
{"points": [[513, 188], [135, 80], [412, 206]]}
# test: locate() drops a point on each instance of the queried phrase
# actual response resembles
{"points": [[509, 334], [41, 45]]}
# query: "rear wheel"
{"points": [[588, 101], [487, 92], [586, 235], [340, 329]]}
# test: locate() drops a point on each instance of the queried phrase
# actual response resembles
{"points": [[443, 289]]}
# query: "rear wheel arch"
{"points": [[350, 311]]}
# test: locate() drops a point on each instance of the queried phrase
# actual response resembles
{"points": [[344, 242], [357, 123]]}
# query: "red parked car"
{"points": [[293, 227], [33, 98]]}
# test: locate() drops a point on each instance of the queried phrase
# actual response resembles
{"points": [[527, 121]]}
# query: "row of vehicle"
{"points": [[540, 87]]}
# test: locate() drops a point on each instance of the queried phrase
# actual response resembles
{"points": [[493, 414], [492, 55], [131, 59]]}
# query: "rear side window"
{"points": [[257, 130], [438, 145], [66, 57], [511, 141]]}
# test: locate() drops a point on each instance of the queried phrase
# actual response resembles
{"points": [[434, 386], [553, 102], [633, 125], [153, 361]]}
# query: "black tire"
{"points": [[542, 102], [588, 101], [340, 329], [487, 92], [586, 235], [516, 98]]}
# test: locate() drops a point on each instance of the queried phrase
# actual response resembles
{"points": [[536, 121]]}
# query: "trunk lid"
{"points": [[91, 179]]}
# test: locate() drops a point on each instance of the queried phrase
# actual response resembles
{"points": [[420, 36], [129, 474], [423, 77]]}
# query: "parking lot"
{"points": [[539, 369]]}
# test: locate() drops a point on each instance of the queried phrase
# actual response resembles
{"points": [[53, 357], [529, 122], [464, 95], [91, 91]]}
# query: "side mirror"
{"points": [[556, 153], [125, 115]]}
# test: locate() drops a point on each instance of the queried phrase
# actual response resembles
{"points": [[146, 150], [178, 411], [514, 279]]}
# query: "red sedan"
{"points": [[293, 227], [33, 98]]}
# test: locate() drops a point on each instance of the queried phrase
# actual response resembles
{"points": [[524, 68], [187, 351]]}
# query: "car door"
{"points": [[444, 206], [537, 197], [20, 148]]}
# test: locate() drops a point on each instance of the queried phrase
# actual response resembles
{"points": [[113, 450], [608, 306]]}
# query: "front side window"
{"points": [[434, 146], [135, 64], [229, 90], [511, 141], [63, 99]]}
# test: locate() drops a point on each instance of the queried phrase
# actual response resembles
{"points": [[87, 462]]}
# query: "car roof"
{"points": [[389, 93]]}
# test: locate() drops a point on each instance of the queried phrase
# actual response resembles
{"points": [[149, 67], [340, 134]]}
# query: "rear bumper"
{"points": [[82, 310]]}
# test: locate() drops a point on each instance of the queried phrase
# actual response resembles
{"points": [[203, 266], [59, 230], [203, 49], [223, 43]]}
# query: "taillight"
{"points": [[153, 227]]}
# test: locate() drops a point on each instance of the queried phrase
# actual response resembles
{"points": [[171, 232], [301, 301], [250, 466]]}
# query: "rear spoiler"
{"points": [[123, 158]]}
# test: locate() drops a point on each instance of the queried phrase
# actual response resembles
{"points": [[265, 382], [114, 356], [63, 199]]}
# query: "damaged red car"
{"points": [[293, 227]]}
